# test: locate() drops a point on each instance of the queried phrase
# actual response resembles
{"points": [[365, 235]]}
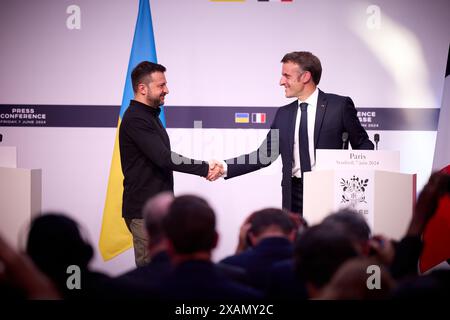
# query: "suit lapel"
{"points": [[320, 114], [292, 114]]}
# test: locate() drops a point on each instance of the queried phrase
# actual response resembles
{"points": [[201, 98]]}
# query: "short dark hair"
{"points": [[353, 224], [319, 252], [307, 62], [143, 70], [190, 225], [263, 219], [54, 243]]}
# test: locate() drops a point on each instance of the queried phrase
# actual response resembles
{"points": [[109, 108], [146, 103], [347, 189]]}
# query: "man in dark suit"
{"points": [[271, 236], [316, 120], [190, 229], [146, 158]]}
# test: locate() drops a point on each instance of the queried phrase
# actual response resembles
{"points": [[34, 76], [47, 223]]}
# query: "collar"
{"points": [[147, 108], [274, 241], [312, 99], [195, 264]]}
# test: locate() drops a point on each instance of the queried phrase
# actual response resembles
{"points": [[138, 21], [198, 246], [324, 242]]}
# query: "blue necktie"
{"points": [[305, 160]]}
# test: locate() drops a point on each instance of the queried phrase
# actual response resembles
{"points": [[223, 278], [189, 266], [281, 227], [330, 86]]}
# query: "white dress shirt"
{"points": [[312, 107]]}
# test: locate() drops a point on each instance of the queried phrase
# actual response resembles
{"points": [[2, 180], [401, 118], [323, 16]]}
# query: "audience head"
{"points": [[353, 225], [359, 278], [190, 226], [54, 243], [155, 209], [319, 252], [436, 190], [270, 222]]}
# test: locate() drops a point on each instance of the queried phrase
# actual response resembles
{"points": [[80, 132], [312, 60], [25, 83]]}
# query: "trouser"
{"points": [[140, 240], [297, 195]]}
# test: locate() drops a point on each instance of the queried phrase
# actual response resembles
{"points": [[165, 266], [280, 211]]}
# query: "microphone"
{"points": [[344, 140], [376, 138]]}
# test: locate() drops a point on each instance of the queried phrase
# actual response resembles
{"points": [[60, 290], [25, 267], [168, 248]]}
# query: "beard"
{"points": [[155, 101]]}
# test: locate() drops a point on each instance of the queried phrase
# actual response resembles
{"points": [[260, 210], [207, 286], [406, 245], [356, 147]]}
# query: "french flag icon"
{"points": [[258, 118]]}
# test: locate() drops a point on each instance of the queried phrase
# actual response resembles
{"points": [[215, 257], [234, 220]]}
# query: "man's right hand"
{"points": [[216, 170]]}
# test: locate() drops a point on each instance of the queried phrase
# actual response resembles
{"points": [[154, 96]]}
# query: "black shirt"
{"points": [[146, 158]]}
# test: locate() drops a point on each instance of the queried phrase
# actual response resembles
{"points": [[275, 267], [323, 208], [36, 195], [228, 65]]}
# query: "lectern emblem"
{"points": [[353, 190]]}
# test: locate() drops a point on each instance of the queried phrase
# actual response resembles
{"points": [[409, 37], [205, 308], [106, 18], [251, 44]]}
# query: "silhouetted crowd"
{"points": [[279, 257]]}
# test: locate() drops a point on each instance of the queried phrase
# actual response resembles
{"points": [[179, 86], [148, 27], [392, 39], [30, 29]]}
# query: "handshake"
{"points": [[216, 170]]}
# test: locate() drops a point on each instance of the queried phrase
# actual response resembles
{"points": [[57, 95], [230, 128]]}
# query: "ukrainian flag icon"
{"points": [[241, 118]]}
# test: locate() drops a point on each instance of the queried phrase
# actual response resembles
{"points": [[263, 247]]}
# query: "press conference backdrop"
{"points": [[64, 62]]}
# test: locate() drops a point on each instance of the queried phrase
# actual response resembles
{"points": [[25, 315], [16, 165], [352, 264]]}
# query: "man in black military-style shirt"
{"points": [[146, 158]]}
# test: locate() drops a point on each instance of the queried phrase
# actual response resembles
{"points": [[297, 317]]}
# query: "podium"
{"points": [[366, 181], [20, 195]]}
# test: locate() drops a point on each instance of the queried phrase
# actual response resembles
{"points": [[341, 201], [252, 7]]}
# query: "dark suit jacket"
{"points": [[258, 261], [151, 274], [201, 280], [335, 115], [146, 158], [284, 284]]}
